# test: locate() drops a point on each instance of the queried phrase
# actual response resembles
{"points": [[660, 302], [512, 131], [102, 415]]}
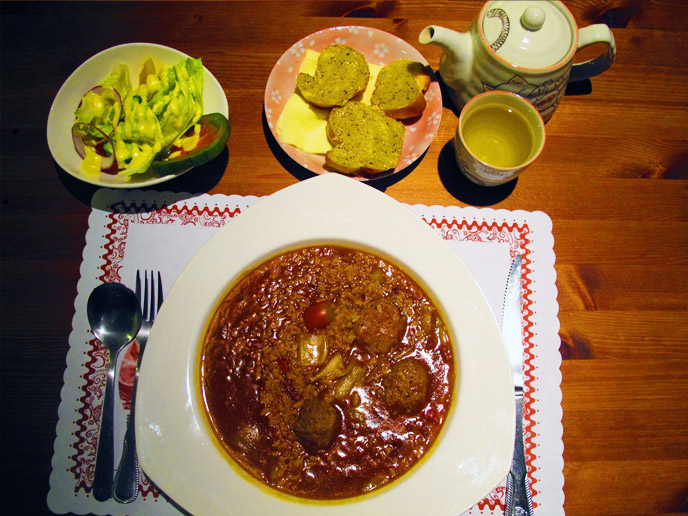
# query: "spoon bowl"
{"points": [[114, 314]]}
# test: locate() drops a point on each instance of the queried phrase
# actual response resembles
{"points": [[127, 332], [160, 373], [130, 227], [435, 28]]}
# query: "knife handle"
{"points": [[518, 500]]}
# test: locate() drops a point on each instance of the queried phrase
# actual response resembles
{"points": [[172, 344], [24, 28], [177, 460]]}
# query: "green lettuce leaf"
{"points": [[148, 119], [178, 102], [119, 79], [138, 137]]}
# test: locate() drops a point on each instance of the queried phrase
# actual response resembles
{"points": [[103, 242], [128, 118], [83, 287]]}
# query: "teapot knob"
{"points": [[533, 18]]}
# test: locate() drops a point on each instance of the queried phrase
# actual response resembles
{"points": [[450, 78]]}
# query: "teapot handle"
{"points": [[587, 36]]}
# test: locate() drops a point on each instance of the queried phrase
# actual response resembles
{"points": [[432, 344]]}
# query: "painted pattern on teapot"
{"points": [[545, 97]]}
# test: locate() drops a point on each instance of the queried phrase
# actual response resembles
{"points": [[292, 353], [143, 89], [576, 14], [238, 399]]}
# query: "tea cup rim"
{"points": [[532, 112]]}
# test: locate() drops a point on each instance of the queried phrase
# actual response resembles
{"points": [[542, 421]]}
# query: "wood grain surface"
{"points": [[613, 177]]}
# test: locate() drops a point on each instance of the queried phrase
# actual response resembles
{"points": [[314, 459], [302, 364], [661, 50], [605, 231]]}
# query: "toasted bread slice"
{"points": [[366, 140], [342, 72], [399, 89]]}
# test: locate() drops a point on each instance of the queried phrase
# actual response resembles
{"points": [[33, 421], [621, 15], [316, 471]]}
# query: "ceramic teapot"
{"points": [[526, 47]]}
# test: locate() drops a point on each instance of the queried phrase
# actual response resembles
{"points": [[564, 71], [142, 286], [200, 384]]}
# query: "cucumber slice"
{"points": [[213, 138]]}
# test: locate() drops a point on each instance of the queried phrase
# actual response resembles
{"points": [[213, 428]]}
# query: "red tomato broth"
{"points": [[253, 383]]}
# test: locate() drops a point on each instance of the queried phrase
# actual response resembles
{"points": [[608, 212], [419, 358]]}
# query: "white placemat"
{"points": [[160, 230]]}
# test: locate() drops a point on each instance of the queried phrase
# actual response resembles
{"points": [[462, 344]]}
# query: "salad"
{"points": [[122, 130]]}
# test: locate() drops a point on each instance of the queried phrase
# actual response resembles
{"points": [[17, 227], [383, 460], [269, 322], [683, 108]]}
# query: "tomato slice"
{"points": [[212, 139]]}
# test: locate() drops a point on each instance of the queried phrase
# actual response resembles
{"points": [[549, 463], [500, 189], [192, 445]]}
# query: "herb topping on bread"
{"points": [[366, 140], [342, 72], [399, 89]]}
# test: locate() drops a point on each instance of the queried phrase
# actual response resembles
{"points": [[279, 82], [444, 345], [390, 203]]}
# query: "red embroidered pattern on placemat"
{"points": [[517, 237], [95, 361], [88, 421]]}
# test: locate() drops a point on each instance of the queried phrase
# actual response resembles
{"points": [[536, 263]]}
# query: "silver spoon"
{"points": [[115, 317]]}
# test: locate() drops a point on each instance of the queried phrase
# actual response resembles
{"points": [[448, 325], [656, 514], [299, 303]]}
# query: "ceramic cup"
{"points": [[499, 135]]}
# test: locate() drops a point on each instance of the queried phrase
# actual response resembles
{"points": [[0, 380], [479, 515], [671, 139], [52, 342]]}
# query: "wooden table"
{"points": [[613, 177]]}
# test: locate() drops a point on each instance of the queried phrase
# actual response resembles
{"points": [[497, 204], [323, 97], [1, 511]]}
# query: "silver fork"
{"points": [[127, 478]]}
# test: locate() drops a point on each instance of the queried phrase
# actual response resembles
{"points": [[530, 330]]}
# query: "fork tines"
{"points": [[149, 307]]}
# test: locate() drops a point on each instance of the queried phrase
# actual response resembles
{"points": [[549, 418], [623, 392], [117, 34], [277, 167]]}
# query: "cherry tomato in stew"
{"points": [[319, 315]]}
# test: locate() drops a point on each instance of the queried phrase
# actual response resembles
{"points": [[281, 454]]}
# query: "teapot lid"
{"points": [[529, 34]]}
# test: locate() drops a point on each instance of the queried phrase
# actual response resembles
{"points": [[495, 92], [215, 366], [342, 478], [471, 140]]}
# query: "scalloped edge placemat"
{"points": [[140, 229]]}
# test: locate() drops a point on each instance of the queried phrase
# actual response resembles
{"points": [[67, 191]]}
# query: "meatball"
{"points": [[380, 326], [406, 387], [317, 425]]}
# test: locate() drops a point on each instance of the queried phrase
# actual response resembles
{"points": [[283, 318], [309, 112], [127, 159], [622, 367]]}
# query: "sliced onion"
{"points": [[119, 102], [96, 89], [107, 163], [118, 112], [78, 142], [119, 97]]}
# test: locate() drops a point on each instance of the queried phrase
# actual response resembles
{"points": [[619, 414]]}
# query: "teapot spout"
{"points": [[454, 43], [457, 60]]}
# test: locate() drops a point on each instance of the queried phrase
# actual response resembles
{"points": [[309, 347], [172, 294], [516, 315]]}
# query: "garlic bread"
{"points": [[341, 73], [366, 141], [399, 89]]}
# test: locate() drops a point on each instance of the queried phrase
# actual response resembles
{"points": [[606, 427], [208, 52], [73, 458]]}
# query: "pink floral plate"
{"points": [[379, 48]]}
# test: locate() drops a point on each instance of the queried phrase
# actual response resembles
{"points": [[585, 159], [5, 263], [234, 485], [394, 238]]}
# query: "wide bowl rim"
{"points": [[473, 451]]}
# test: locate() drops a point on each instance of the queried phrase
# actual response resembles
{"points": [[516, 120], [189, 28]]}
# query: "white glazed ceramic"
{"points": [[90, 73], [526, 47], [178, 450], [487, 174]]}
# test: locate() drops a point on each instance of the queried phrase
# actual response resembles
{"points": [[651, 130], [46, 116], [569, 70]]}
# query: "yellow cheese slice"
{"points": [[305, 126], [310, 62], [368, 92]]}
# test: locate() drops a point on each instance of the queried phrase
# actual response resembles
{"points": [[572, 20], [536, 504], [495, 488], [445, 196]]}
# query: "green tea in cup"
{"points": [[499, 135]]}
